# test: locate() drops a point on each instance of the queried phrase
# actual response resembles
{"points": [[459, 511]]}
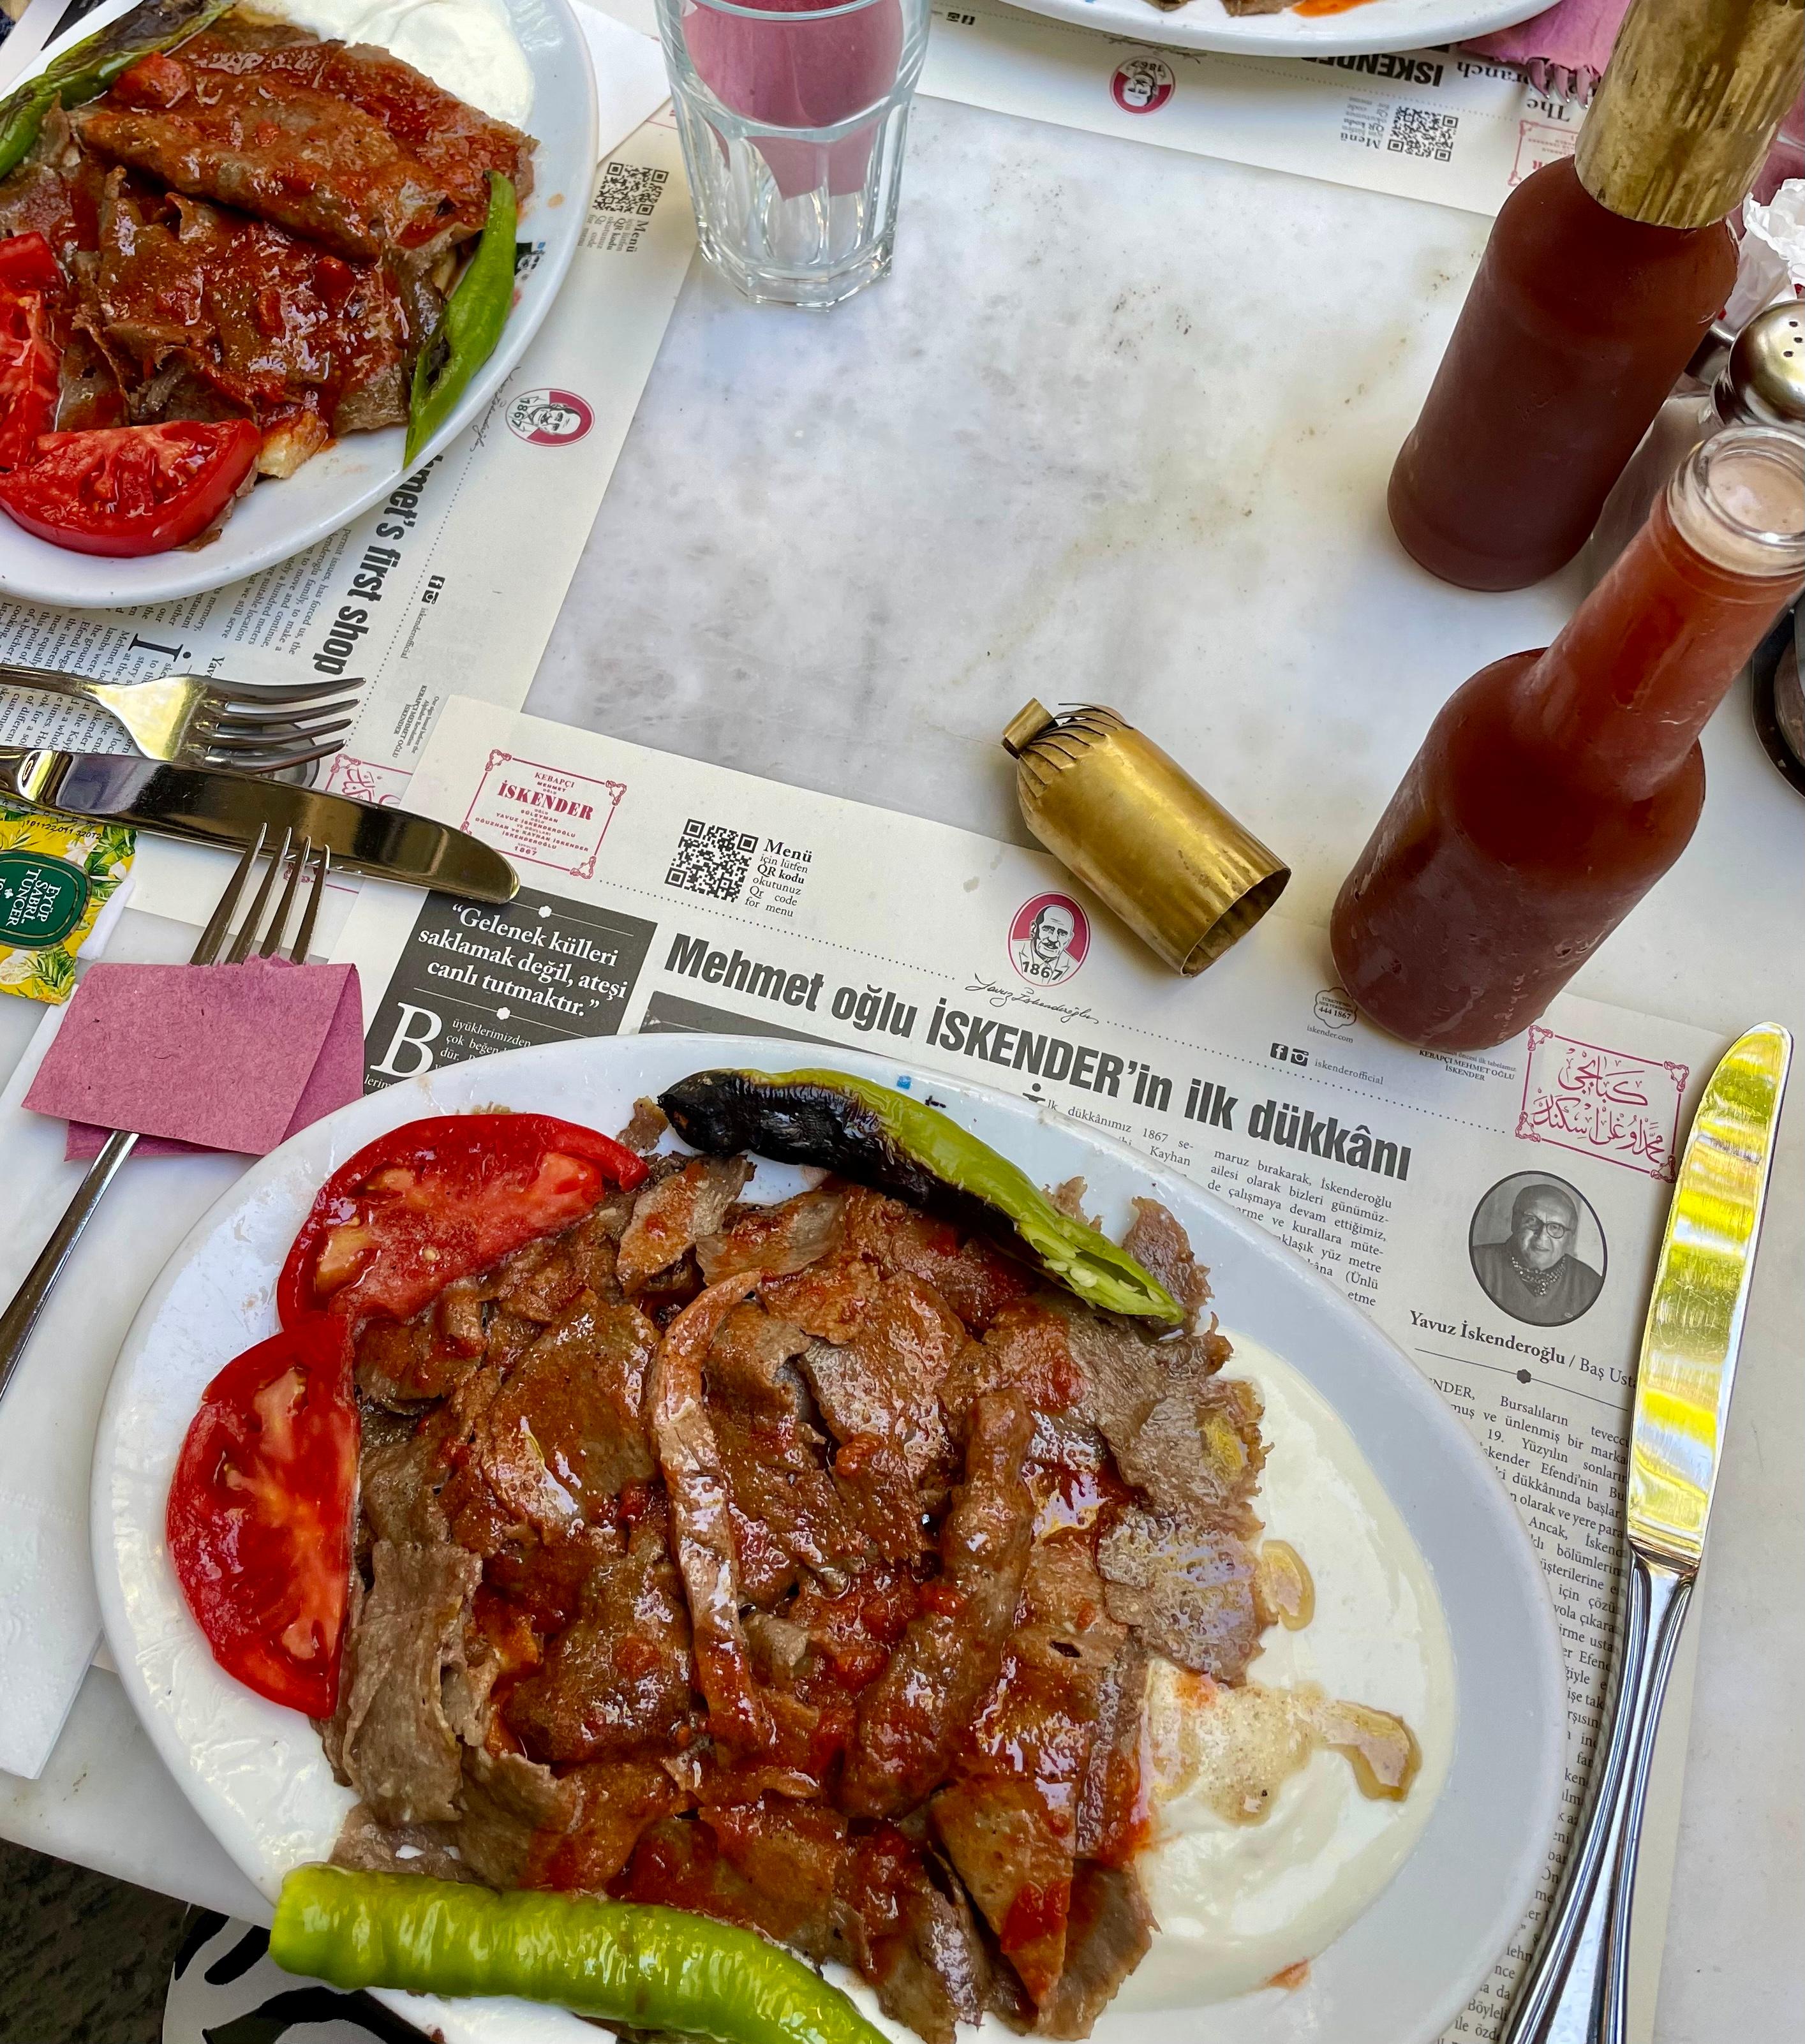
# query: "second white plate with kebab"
{"points": [[537, 59], [1318, 28]]}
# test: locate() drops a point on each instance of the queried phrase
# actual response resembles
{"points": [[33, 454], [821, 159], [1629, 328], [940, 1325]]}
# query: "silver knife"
{"points": [[1575, 1990], [208, 806]]}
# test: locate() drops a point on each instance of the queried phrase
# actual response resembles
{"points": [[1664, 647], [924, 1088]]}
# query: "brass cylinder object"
{"points": [[1687, 110], [1134, 826]]}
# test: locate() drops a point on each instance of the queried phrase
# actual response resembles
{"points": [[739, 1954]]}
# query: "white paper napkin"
{"points": [[630, 82], [49, 1620]]}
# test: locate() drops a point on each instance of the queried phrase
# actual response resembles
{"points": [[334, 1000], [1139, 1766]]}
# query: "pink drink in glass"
{"points": [[799, 71]]}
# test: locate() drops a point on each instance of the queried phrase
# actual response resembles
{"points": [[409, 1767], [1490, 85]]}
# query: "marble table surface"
{"points": [[1117, 429]]}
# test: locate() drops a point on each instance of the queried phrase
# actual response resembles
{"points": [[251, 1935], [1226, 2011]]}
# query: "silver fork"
{"points": [[216, 947], [188, 720]]}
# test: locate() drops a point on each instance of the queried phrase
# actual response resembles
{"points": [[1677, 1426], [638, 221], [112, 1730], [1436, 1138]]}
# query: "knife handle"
{"points": [[21, 1316], [1561, 1998], [1663, 1593]]}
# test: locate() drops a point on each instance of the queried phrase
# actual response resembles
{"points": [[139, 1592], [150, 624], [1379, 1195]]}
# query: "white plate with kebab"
{"points": [[1278, 29], [832, 1534], [263, 265]]}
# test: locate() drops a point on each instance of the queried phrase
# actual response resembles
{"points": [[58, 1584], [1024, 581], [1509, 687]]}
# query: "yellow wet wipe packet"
{"points": [[62, 884]]}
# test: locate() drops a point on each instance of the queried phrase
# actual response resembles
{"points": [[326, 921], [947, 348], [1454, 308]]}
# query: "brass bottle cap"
{"points": [[1134, 826], [1687, 110]]}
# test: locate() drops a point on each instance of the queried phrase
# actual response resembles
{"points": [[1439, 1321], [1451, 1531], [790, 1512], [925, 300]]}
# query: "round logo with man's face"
{"points": [[1142, 84], [550, 418], [1048, 939]]}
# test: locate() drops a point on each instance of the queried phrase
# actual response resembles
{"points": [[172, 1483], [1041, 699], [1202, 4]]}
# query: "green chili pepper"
{"points": [[882, 1137], [476, 314], [652, 1968], [84, 72]]}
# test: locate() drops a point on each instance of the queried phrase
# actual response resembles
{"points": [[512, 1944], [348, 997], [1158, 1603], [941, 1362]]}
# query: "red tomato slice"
{"points": [[31, 287], [27, 263], [131, 489], [439, 1200], [260, 1512]]}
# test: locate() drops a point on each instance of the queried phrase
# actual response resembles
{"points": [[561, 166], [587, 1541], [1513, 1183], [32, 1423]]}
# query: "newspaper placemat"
{"points": [[662, 894], [455, 582], [1423, 124]]}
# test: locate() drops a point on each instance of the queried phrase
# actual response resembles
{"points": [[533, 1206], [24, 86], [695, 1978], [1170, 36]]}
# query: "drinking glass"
{"points": [[794, 118]]}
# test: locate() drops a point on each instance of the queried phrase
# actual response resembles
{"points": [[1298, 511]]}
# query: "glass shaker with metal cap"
{"points": [[1760, 383]]}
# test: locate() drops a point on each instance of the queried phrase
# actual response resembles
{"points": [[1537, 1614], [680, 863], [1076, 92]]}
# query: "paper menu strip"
{"points": [[663, 894], [1420, 123]]}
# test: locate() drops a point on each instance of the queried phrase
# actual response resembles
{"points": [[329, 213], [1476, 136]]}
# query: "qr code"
{"points": [[711, 859], [1418, 131], [630, 188]]}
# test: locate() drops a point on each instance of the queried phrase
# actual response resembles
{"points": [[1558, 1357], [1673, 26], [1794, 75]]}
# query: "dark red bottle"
{"points": [[1602, 276], [1555, 789]]}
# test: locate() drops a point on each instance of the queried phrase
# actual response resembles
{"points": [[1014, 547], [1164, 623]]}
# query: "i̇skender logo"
{"points": [[1048, 939], [550, 418], [1142, 84]]}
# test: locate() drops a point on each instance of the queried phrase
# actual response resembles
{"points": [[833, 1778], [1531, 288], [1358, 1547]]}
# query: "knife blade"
{"points": [[1576, 1988], [1701, 1292], [207, 806]]}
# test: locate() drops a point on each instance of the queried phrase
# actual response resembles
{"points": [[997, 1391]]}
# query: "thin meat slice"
{"points": [[512, 1808], [690, 1458], [782, 1493], [668, 1215], [399, 1748], [1018, 1866], [1109, 1813], [885, 1383], [910, 1718], [777, 1240], [1027, 1347], [618, 1677], [1010, 1823], [975, 1280], [917, 1942], [300, 159], [367, 1846], [1108, 1935], [1156, 1240], [1198, 1455], [690, 1863], [458, 143], [617, 1802], [1189, 1591], [399, 1483], [565, 1433]]}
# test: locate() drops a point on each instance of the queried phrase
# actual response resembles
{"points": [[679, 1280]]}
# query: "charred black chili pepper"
{"points": [[882, 1138]]}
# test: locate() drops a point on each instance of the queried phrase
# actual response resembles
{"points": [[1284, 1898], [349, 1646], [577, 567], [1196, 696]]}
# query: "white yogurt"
{"points": [[1239, 1903], [467, 46]]}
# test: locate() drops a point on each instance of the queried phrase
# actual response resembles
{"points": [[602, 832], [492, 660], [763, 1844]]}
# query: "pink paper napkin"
{"points": [[203, 1057], [1573, 38]]}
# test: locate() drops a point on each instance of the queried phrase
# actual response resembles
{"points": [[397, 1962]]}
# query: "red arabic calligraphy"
{"points": [[1602, 1103]]}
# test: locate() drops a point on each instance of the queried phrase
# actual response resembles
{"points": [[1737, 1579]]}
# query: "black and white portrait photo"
{"points": [[1537, 1249]]}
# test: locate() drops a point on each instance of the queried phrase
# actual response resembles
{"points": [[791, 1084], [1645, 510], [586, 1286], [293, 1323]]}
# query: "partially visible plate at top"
{"points": [[281, 518], [258, 1777], [1377, 25]]}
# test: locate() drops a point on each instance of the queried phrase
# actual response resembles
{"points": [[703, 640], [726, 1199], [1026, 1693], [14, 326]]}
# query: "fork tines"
{"points": [[267, 730], [255, 934]]}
